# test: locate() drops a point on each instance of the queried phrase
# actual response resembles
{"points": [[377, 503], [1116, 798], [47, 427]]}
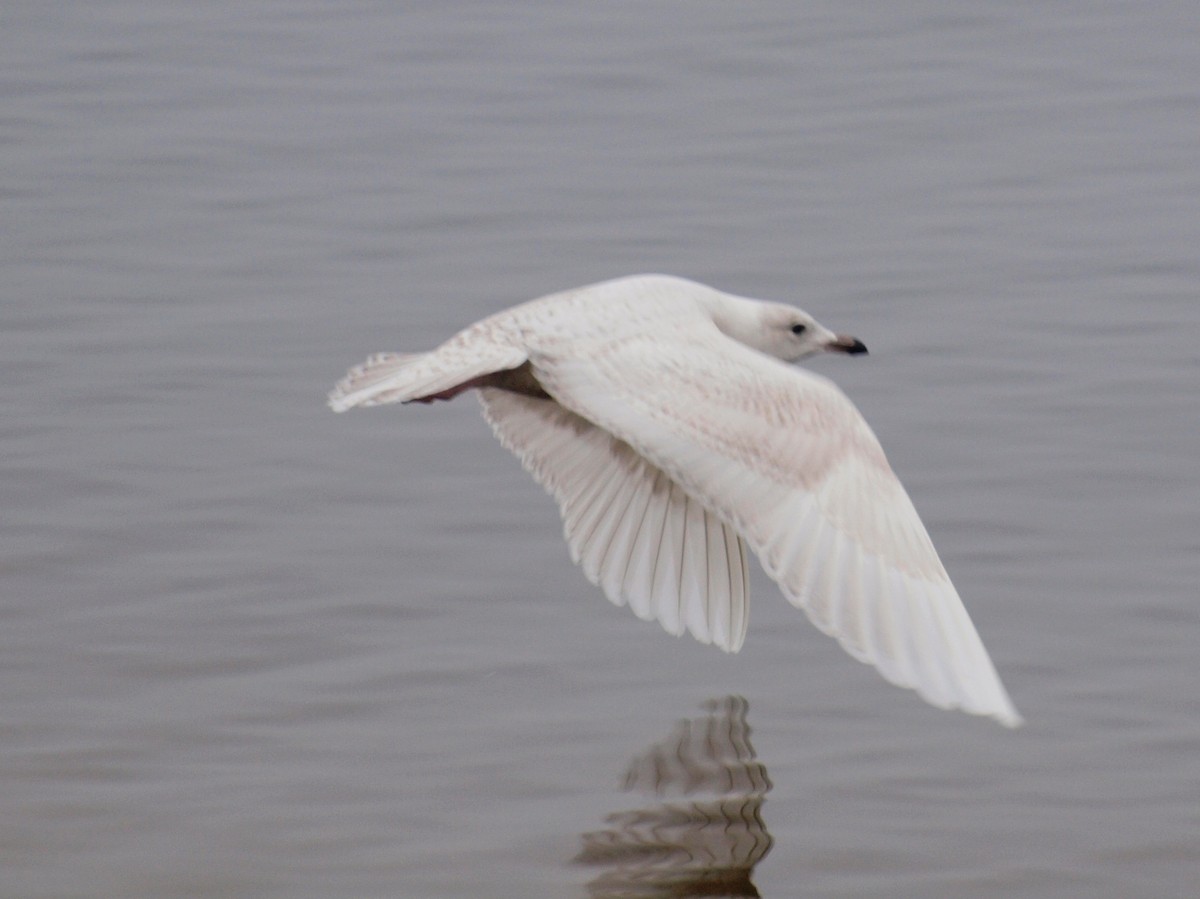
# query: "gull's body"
{"points": [[662, 417]]}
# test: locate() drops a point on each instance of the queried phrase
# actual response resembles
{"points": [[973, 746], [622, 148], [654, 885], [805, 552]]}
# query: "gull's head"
{"points": [[788, 333], [776, 329]]}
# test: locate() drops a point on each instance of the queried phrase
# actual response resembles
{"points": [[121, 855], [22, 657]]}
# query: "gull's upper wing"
{"points": [[784, 457], [636, 533]]}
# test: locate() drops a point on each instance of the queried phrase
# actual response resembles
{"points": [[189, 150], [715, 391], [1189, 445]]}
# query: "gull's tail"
{"points": [[383, 378], [421, 377]]}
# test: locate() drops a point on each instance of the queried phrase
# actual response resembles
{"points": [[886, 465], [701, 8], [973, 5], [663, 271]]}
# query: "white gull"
{"points": [[663, 418]]}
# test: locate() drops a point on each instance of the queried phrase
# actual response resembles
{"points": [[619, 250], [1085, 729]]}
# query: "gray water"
{"points": [[250, 648]]}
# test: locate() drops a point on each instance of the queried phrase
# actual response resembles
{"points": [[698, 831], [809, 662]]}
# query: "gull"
{"points": [[664, 418]]}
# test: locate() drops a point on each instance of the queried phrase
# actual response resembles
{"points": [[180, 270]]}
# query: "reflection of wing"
{"points": [[785, 457], [636, 534], [702, 755], [706, 847]]}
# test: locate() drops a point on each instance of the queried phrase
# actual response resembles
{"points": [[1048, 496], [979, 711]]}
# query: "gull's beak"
{"points": [[844, 343]]}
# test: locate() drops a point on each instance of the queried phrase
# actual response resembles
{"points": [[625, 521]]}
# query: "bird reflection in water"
{"points": [[706, 845]]}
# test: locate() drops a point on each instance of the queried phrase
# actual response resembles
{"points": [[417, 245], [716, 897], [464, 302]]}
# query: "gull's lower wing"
{"points": [[636, 533], [785, 457]]}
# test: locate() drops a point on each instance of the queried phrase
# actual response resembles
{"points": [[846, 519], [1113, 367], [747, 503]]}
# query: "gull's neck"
{"points": [[736, 317]]}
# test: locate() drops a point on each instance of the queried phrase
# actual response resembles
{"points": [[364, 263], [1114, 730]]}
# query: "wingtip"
{"points": [[1010, 718], [998, 707]]}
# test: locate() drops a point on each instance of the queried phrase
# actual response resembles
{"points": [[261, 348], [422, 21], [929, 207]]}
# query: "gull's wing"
{"points": [[635, 532], [785, 457]]}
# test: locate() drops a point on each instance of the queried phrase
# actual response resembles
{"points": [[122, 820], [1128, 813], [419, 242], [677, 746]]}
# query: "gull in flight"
{"points": [[663, 417]]}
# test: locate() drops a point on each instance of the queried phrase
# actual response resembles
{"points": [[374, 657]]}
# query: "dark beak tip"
{"points": [[851, 346]]}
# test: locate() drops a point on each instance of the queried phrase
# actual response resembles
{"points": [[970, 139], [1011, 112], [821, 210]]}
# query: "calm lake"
{"points": [[249, 648]]}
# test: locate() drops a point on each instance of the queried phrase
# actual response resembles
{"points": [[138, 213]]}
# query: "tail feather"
{"points": [[369, 383], [404, 377]]}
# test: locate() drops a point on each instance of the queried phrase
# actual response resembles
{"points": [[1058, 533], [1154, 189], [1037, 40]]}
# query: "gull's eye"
{"points": [[799, 329]]}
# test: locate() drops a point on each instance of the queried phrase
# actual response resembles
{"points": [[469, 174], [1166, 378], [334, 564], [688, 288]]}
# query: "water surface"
{"points": [[250, 648]]}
